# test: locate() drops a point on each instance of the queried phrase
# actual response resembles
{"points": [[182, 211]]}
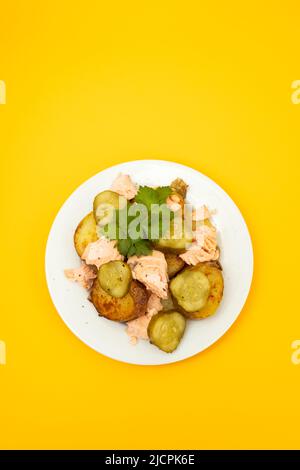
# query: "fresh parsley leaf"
{"points": [[131, 247], [148, 196], [142, 247], [124, 246], [163, 192]]}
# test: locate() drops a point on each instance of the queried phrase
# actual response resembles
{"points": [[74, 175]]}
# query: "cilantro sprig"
{"points": [[148, 196]]}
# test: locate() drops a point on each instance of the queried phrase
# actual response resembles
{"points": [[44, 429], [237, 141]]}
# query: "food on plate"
{"points": [[174, 264], [166, 329], [198, 290], [115, 278], [145, 264], [124, 309], [85, 233]]}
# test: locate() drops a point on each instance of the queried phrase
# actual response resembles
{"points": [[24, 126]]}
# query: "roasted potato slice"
{"points": [[129, 307], [85, 233], [115, 278], [166, 329], [175, 264], [187, 295]]}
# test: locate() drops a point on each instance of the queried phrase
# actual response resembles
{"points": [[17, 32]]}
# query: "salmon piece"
{"points": [[204, 248], [202, 213], [101, 252], [84, 275], [152, 271], [124, 186], [137, 329]]}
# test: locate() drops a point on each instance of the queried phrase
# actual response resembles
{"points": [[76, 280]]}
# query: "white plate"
{"points": [[109, 338]]}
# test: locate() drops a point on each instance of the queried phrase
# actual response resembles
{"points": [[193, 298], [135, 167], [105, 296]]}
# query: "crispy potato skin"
{"points": [[175, 264], [215, 278], [179, 186], [129, 307], [85, 233]]}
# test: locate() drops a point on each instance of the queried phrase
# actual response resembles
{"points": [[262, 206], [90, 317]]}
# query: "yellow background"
{"points": [[97, 83]]}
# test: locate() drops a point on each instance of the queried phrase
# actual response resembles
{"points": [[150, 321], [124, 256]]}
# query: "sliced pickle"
{"points": [[216, 281], [105, 204], [191, 289], [115, 278], [166, 329], [172, 242]]}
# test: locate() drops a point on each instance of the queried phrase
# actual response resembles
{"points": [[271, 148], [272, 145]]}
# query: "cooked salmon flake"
{"points": [[204, 248], [84, 275], [124, 186], [100, 252], [151, 270], [137, 329]]}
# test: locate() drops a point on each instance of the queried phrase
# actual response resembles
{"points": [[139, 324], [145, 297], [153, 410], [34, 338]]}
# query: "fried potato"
{"points": [[168, 303], [85, 233], [129, 307], [175, 264], [179, 186], [189, 296]]}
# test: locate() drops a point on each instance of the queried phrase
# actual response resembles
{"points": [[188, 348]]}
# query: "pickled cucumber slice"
{"points": [[105, 204], [166, 329], [191, 289], [115, 278], [171, 244], [216, 281]]}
